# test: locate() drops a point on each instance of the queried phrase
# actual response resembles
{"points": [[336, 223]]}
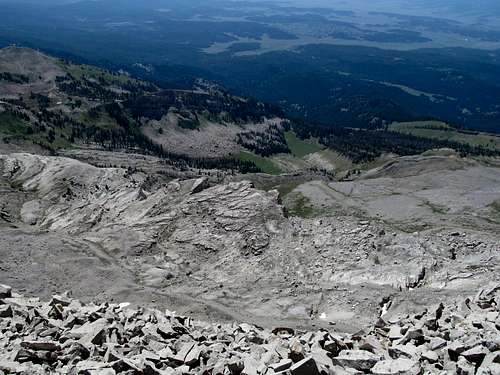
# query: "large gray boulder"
{"points": [[5, 291], [357, 359], [305, 367], [400, 366]]}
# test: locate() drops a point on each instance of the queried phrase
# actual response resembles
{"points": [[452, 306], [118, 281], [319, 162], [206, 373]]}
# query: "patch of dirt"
{"points": [[41, 69]]}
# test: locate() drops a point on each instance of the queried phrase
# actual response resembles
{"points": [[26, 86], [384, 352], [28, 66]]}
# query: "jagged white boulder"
{"points": [[400, 366]]}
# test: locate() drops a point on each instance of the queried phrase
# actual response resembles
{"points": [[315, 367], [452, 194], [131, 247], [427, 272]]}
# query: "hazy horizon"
{"points": [[427, 7]]}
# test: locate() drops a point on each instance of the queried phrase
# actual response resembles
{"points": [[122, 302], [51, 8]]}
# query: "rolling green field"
{"points": [[265, 164], [443, 131], [300, 148]]}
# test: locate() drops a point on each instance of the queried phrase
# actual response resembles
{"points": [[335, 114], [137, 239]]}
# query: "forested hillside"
{"points": [[57, 104]]}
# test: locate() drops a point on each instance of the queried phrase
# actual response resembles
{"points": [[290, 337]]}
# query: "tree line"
{"points": [[364, 145]]}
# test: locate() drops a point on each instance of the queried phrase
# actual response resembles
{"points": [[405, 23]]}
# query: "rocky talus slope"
{"points": [[66, 336]]}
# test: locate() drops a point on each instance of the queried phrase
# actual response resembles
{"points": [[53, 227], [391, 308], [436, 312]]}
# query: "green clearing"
{"points": [[301, 206], [11, 125], [286, 188], [283, 187], [102, 120], [288, 163], [493, 216], [299, 147], [338, 161], [436, 208], [265, 164], [443, 131], [91, 72], [13, 128], [495, 206]]}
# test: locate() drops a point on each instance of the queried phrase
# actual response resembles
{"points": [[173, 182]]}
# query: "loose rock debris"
{"points": [[65, 336]]}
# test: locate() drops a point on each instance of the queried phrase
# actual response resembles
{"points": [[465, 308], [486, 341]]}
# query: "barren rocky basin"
{"points": [[228, 251]]}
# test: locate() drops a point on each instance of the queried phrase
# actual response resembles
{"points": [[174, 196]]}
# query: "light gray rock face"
{"points": [[66, 336], [93, 202]]}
